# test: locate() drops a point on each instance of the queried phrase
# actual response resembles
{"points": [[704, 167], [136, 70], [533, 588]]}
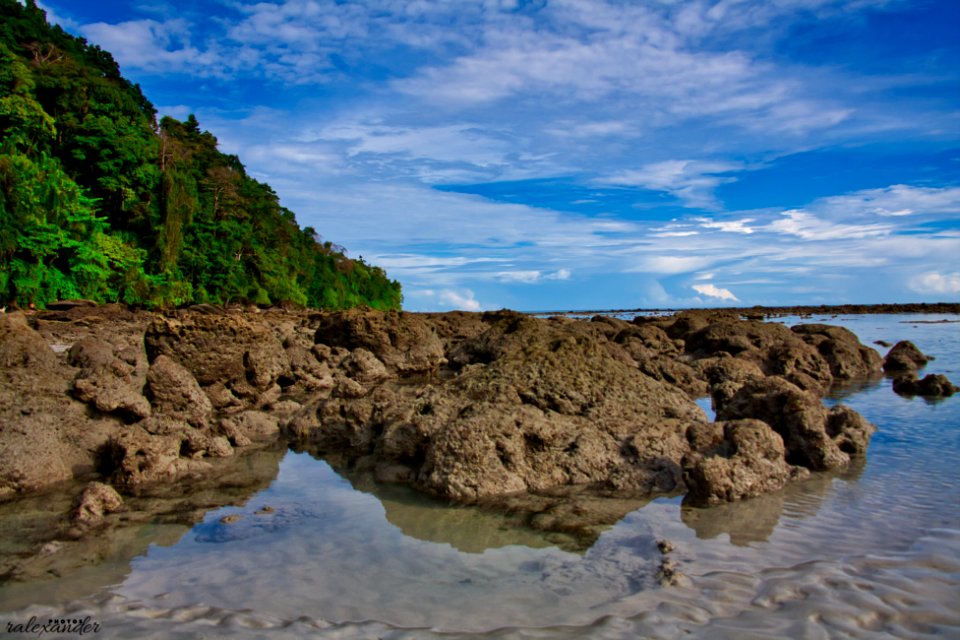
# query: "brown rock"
{"points": [[238, 353], [800, 419], [848, 359], [364, 367], [254, 426], [21, 346], [933, 385], [904, 356], [109, 378], [532, 404], [96, 501], [135, 459], [174, 391], [111, 393], [404, 342], [747, 462]]}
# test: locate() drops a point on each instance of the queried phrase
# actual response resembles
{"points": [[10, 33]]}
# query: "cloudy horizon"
{"points": [[584, 154]]}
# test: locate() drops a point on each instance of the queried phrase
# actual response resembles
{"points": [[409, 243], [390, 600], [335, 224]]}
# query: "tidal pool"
{"points": [[873, 552]]}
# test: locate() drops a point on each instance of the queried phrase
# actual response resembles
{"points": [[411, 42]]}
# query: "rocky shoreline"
{"points": [[759, 312], [567, 424]]}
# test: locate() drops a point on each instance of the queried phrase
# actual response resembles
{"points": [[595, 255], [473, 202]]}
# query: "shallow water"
{"points": [[872, 552]]}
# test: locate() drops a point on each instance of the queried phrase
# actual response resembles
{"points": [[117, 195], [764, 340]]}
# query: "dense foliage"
{"points": [[99, 201]]}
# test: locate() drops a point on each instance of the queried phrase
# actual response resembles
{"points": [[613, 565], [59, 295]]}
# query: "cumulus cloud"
{"points": [[154, 45], [936, 283], [714, 291]]}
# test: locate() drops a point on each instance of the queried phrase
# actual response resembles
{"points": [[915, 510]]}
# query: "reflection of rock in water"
{"points": [[571, 518], [103, 555], [755, 519], [746, 521]]}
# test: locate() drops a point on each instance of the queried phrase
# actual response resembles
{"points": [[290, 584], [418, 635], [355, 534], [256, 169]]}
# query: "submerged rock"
{"points": [[96, 501], [904, 357], [933, 385]]}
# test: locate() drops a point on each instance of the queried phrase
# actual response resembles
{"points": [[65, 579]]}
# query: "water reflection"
{"points": [[312, 544], [68, 569], [755, 520], [569, 518]]}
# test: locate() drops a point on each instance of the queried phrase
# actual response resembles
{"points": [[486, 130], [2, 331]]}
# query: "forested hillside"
{"points": [[98, 200]]}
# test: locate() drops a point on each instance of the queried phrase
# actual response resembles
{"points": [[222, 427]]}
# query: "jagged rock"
{"points": [[904, 356], [848, 359], [404, 342], [112, 394], [774, 348], [746, 460], [222, 399], [195, 444], [174, 391], [91, 353], [243, 355], [43, 431], [253, 426], [933, 385], [33, 454], [96, 501], [107, 380], [21, 346], [364, 367], [812, 436], [135, 459], [534, 404], [309, 373]]}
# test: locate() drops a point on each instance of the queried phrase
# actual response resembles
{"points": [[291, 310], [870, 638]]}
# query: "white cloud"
{"points": [[154, 46], [714, 291], [527, 277], [728, 226], [693, 182], [532, 276], [934, 282], [670, 265], [464, 300], [809, 227], [897, 200]]}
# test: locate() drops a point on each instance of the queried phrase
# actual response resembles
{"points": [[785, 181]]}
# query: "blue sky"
{"points": [[584, 154]]}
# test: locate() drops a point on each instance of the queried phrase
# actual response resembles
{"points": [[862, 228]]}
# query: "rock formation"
{"points": [[503, 409]]}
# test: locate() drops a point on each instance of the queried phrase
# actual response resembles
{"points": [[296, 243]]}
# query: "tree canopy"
{"points": [[98, 200]]}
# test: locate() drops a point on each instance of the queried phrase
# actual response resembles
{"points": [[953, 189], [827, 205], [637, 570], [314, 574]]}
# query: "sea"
{"points": [[872, 552]]}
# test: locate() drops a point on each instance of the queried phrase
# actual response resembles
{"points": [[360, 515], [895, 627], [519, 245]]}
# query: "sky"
{"points": [[549, 155]]}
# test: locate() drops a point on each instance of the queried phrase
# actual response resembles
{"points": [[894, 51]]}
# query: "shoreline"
{"points": [[790, 310]]}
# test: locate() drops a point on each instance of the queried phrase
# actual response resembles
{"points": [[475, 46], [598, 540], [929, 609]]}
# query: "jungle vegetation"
{"points": [[99, 200]]}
